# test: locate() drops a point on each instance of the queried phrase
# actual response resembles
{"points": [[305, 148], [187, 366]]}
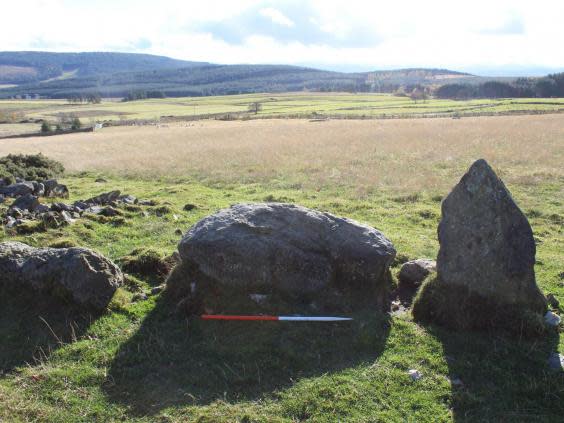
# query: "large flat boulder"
{"points": [[78, 275], [287, 252], [486, 255]]}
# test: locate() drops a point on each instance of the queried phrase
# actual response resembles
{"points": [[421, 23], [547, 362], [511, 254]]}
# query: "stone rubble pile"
{"points": [[27, 207]]}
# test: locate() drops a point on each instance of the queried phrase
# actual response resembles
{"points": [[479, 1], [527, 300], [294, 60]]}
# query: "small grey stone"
{"points": [[141, 296], [157, 289], [42, 208], [104, 199], [127, 199], [552, 319], [556, 362], [147, 203], [415, 271], [27, 202]]}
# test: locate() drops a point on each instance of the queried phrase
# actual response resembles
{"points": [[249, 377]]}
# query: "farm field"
{"points": [[275, 105], [142, 362]]}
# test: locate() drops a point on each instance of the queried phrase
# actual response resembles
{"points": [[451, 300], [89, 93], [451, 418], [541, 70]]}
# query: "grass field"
{"points": [[142, 362], [278, 105]]}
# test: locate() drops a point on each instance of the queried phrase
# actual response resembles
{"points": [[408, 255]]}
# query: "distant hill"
{"points": [[62, 75], [29, 66]]}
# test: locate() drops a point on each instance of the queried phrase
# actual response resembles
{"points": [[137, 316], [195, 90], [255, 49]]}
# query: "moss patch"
{"points": [[456, 307], [146, 262], [63, 243]]}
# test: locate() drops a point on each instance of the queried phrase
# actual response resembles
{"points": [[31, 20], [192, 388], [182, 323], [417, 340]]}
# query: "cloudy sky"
{"points": [[484, 36]]}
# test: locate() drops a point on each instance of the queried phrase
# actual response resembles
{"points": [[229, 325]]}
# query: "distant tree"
{"points": [[45, 127], [418, 94], [76, 124], [155, 94], [545, 87], [255, 107], [94, 98]]}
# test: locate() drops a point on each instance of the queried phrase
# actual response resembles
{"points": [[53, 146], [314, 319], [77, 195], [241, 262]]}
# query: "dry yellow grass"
{"points": [[409, 155]]}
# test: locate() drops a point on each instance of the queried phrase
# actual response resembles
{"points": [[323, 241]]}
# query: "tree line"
{"points": [[549, 86]]}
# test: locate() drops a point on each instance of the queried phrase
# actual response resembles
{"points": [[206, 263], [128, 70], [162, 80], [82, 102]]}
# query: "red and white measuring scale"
{"points": [[276, 318]]}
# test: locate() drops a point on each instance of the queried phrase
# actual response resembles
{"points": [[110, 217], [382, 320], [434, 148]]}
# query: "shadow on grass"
{"points": [[502, 378], [32, 326], [173, 360]]}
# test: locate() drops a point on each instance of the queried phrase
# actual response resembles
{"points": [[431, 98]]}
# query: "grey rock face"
{"points": [[52, 189], [415, 271], [486, 242], [289, 249], [26, 202], [104, 199], [79, 274], [17, 189]]}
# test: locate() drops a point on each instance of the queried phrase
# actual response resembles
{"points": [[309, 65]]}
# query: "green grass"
{"points": [[141, 361], [278, 105]]}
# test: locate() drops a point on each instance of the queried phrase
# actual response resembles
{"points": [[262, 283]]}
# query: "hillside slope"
{"points": [[61, 75], [31, 67]]}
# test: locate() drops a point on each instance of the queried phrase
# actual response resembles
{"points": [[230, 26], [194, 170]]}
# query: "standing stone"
{"points": [[78, 275], [487, 252]]}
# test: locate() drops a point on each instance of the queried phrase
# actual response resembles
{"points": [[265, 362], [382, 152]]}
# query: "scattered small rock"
{"points": [[52, 189], [104, 199], [415, 271], [141, 296], [189, 207], [9, 222], [178, 231], [100, 180], [552, 319], [127, 199], [147, 203], [258, 298], [157, 289], [110, 211], [414, 374], [27, 202]]}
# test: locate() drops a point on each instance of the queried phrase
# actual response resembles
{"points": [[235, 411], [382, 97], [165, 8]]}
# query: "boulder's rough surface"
{"points": [[487, 251], [26, 202], [18, 189], [79, 275], [286, 251], [413, 272]]}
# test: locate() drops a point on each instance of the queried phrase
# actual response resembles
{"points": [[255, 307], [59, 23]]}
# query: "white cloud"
{"points": [[366, 34], [276, 16]]}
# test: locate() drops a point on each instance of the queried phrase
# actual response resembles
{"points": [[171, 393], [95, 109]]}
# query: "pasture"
{"points": [[301, 104], [141, 362]]}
